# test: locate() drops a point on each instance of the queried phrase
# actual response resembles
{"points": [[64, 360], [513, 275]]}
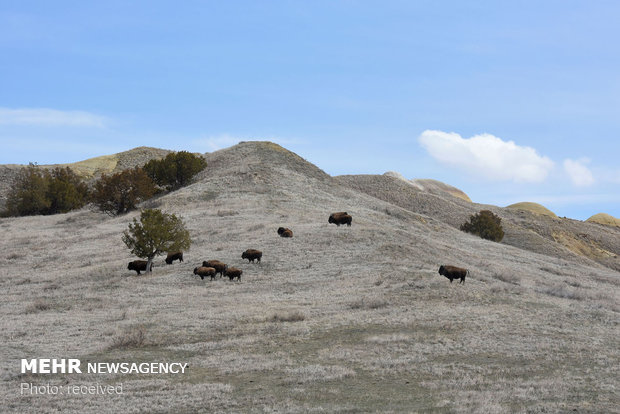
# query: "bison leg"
{"points": [[451, 279]]}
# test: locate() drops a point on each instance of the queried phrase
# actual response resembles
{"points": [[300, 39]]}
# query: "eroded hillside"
{"points": [[582, 242], [335, 319]]}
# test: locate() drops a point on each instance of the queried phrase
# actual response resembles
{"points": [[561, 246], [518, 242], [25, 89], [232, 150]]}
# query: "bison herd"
{"points": [[211, 268]]}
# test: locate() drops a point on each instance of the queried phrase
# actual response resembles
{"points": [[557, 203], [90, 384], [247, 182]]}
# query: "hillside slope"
{"points": [[582, 242], [336, 319]]}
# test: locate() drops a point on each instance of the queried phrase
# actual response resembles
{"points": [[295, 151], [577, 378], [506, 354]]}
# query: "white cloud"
{"points": [[50, 117], [487, 156], [580, 175]]}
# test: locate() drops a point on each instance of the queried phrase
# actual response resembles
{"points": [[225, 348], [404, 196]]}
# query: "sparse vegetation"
{"points": [[156, 233], [485, 224], [564, 292], [507, 277], [369, 303], [291, 316], [39, 305], [131, 337], [121, 192], [226, 213], [175, 170]]}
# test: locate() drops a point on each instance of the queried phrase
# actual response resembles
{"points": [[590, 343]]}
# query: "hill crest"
{"points": [[605, 219]]}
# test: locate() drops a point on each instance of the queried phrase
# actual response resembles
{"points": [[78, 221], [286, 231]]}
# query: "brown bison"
{"points": [[340, 218], [172, 256], [204, 272], [217, 265], [233, 272], [453, 272], [252, 254], [283, 232], [138, 266]]}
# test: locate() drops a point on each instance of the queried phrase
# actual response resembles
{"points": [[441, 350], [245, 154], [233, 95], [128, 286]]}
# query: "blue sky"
{"points": [[509, 101]]}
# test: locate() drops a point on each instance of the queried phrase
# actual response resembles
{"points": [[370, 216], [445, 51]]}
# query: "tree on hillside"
{"points": [[175, 170], [66, 191], [121, 192], [485, 224], [154, 234], [27, 196], [39, 191]]}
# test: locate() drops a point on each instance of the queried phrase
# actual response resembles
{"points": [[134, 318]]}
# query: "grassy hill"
{"points": [[533, 208], [606, 219], [336, 319]]}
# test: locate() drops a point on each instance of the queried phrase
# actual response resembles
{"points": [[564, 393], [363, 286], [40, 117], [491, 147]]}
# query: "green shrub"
{"points": [[121, 192], [156, 233], [27, 196], [486, 225], [175, 170], [38, 191], [66, 191]]}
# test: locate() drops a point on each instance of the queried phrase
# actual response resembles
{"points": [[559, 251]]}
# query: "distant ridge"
{"points": [[432, 186], [107, 164], [605, 219], [88, 169], [533, 208]]}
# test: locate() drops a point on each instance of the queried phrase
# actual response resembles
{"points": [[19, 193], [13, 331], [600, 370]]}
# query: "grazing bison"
{"points": [[340, 218], [217, 265], [233, 272], [172, 256], [285, 232], [252, 254], [204, 272], [453, 272], [138, 266]]}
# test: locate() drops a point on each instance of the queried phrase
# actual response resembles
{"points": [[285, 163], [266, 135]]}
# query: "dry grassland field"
{"points": [[335, 319]]}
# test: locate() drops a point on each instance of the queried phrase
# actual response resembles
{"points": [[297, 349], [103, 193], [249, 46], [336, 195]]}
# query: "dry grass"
{"points": [[336, 319], [226, 213], [508, 277], [39, 305], [293, 316], [533, 208], [369, 303], [605, 219], [131, 337]]}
